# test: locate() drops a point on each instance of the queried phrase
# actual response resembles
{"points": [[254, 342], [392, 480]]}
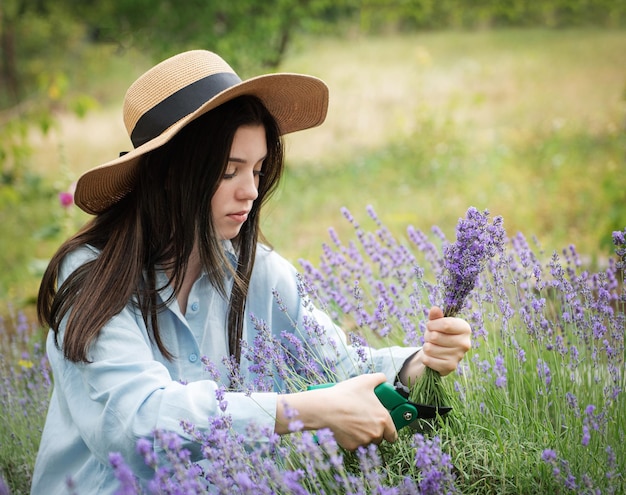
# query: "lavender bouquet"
{"points": [[477, 241]]}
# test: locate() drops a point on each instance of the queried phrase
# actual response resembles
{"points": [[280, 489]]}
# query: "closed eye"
{"points": [[232, 175], [232, 169]]}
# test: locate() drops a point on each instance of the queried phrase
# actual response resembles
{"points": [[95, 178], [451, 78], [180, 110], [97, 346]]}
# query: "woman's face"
{"points": [[238, 189]]}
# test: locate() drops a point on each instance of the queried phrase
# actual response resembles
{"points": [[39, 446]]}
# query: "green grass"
{"points": [[562, 187], [527, 123], [24, 395]]}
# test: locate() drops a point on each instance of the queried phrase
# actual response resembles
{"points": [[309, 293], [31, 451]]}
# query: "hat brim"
{"points": [[296, 101]]}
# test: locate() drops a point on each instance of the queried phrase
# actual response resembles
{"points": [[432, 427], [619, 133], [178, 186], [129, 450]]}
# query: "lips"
{"points": [[240, 216]]}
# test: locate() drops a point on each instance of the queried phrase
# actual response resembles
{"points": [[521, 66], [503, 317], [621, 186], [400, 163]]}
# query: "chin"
{"points": [[229, 236]]}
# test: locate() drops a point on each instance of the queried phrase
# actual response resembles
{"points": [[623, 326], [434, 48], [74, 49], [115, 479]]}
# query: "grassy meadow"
{"points": [[529, 124]]}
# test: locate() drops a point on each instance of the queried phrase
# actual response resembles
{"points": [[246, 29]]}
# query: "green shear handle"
{"points": [[403, 412]]}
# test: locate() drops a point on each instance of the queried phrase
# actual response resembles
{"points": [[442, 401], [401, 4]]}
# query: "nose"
{"points": [[248, 186]]}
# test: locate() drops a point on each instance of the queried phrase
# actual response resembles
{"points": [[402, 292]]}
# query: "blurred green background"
{"points": [[515, 106]]}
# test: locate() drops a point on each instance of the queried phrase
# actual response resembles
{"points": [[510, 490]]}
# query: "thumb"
{"points": [[435, 313]]}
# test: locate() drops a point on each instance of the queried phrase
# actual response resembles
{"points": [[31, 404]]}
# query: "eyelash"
{"points": [[258, 173]]}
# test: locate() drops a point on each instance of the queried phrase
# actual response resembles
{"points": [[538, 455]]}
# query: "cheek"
{"points": [[218, 196]]}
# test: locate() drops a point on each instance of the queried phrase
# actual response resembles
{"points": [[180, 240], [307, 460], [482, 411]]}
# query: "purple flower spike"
{"points": [[435, 466], [619, 240], [4, 489], [124, 474], [476, 242]]}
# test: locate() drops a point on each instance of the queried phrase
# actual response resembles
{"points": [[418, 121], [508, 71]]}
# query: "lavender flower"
{"points": [[562, 472], [544, 373], [619, 240], [293, 482], [548, 455], [586, 436], [551, 335], [435, 467], [476, 242], [4, 489], [124, 474], [500, 370]]}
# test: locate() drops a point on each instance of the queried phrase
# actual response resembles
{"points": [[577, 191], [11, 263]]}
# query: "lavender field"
{"points": [[538, 403]]}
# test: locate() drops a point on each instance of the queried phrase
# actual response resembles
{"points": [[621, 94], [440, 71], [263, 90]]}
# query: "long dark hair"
{"points": [[154, 228]]}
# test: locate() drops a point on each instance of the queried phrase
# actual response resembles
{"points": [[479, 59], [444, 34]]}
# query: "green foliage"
{"points": [[40, 49], [558, 182], [26, 232], [38, 44], [247, 33], [437, 14]]}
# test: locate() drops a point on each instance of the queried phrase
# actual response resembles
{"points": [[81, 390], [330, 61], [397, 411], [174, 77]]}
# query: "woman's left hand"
{"points": [[446, 341]]}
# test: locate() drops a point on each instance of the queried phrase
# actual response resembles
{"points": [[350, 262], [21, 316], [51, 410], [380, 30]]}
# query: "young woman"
{"points": [[170, 270]]}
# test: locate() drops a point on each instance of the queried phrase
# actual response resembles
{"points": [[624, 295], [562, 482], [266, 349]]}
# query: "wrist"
{"points": [[412, 369], [305, 407]]}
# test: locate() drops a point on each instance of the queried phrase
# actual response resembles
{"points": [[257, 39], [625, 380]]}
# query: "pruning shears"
{"points": [[403, 412]]}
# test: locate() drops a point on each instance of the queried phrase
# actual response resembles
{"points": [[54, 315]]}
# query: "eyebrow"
{"points": [[241, 160]]}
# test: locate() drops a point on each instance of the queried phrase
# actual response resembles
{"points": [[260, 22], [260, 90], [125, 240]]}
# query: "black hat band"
{"points": [[180, 104]]}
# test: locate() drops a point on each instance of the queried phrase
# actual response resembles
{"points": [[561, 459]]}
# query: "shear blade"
{"points": [[429, 412]]}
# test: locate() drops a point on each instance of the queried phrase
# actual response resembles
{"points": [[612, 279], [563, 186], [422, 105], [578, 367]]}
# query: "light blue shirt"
{"points": [[129, 389]]}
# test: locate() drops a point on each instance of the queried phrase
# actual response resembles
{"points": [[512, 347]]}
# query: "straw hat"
{"points": [[180, 89]]}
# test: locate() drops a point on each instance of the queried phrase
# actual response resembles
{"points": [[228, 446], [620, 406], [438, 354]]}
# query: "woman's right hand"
{"points": [[350, 409]]}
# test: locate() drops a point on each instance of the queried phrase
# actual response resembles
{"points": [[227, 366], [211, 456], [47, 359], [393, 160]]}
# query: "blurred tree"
{"points": [[42, 45], [36, 44], [409, 15], [248, 33]]}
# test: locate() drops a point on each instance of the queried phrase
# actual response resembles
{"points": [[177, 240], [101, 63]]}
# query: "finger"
{"points": [[448, 340], [435, 313], [435, 355], [449, 325], [390, 433], [444, 366], [442, 345]]}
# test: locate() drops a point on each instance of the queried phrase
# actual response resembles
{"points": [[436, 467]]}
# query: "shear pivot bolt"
{"points": [[407, 416]]}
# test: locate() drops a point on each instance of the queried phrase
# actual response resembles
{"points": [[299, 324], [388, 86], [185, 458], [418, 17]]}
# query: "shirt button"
{"points": [[194, 306], [193, 357]]}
